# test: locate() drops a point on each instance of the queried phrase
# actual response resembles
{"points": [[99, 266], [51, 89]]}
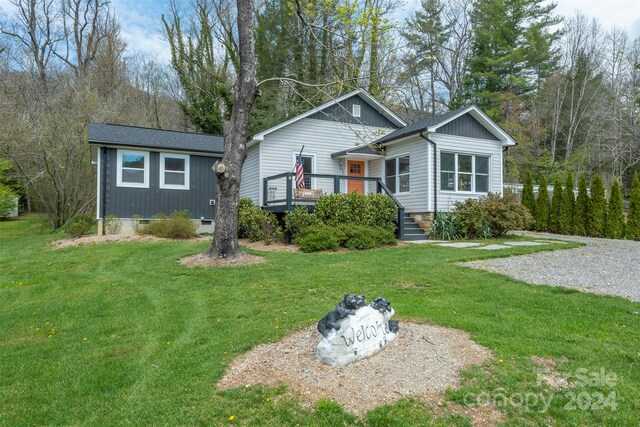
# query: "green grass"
{"points": [[159, 335]]}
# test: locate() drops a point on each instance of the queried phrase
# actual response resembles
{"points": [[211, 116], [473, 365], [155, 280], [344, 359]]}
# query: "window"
{"points": [[397, 174], [355, 110], [464, 172], [307, 168], [174, 171], [133, 169]]}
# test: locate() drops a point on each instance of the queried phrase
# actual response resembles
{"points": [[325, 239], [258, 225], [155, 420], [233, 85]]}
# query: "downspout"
{"points": [[103, 184], [435, 173]]}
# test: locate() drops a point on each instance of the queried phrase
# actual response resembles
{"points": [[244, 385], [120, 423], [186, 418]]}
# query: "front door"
{"points": [[355, 168]]}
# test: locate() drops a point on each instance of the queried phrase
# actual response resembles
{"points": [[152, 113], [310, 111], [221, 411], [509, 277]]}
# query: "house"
{"points": [[352, 143]]}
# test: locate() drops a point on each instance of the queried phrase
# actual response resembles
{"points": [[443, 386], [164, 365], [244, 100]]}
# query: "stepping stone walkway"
{"points": [[460, 244], [524, 243], [493, 247]]}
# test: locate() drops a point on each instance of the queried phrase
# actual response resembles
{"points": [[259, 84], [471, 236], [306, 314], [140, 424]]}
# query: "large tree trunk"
{"points": [[225, 236]]}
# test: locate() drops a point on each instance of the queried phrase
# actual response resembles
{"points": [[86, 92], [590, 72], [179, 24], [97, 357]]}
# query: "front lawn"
{"points": [[121, 333]]}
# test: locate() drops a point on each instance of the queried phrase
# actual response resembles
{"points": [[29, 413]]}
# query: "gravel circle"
{"points": [[422, 362], [602, 266]]}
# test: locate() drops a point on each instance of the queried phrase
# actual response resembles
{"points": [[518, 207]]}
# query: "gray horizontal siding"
{"points": [[467, 126], [146, 202], [341, 112], [417, 199], [250, 183]]}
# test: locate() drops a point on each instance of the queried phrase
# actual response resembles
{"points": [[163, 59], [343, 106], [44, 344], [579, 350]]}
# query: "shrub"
{"points": [[359, 237], [596, 215], [299, 219], [542, 206], [177, 226], [7, 201], [615, 213], [556, 223], [568, 205], [528, 198], [633, 215], [372, 210], [323, 238], [79, 225], [257, 224], [581, 209], [112, 224], [444, 227], [491, 215]]}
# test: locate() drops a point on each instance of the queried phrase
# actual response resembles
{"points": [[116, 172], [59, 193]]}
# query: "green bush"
{"points": [[615, 213], [568, 205], [581, 209], [542, 206], [79, 225], [7, 201], [556, 223], [323, 238], [633, 215], [528, 197], [177, 226], [299, 219], [112, 224], [444, 227], [596, 215], [491, 215], [359, 237], [372, 210], [257, 224]]}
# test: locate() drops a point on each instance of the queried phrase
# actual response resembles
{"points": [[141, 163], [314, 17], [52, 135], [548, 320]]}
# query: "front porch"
{"points": [[279, 194]]}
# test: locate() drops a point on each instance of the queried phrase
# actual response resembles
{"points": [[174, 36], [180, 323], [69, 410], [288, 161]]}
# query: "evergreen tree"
{"points": [[569, 201], [557, 202], [596, 216], [615, 213], [581, 209], [633, 215], [528, 198], [542, 206]]}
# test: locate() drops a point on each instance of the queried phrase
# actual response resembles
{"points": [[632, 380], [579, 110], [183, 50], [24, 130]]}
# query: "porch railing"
{"points": [[279, 191]]}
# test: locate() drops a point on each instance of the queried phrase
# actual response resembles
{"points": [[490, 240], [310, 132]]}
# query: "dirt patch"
{"points": [[549, 375], [110, 238], [423, 362], [273, 247], [201, 260]]}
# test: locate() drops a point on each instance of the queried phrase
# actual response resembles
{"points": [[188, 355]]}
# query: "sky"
{"points": [[141, 24]]}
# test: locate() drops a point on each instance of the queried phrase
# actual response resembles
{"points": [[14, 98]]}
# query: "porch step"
{"points": [[411, 230]]}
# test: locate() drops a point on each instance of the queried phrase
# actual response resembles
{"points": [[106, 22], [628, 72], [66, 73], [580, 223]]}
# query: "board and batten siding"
{"points": [[417, 199], [124, 202], [250, 184], [462, 145], [320, 138]]}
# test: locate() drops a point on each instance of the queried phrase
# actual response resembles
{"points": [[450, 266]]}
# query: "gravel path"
{"points": [[603, 266]]}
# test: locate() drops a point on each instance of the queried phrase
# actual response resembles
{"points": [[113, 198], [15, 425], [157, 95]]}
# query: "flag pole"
{"points": [[294, 163]]}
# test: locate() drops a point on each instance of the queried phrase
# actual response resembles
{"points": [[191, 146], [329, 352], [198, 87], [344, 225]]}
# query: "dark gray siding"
{"points": [[467, 125], [341, 112], [146, 202]]}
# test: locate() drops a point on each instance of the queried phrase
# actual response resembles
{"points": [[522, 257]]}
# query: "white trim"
{"points": [[397, 176], [186, 172], [119, 181], [456, 173], [484, 120], [260, 177], [99, 184], [355, 110], [366, 96]]}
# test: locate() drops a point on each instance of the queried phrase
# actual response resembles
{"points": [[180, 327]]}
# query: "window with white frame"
{"points": [[174, 171], [397, 174], [355, 111], [464, 173], [133, 169]]}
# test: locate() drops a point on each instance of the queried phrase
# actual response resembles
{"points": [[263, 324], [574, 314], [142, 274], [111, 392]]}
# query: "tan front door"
{"points": [[355, 168]]}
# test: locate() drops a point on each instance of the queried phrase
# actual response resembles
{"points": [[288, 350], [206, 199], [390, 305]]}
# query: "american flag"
{"points": [[299, 172]]}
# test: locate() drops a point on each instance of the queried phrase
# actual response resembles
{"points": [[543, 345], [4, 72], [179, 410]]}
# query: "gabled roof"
{"points": [[361, 92], [432, 124], [133, 136], [361, 151]]}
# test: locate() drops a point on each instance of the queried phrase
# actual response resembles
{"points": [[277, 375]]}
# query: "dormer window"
{"points": [[356, 110]]}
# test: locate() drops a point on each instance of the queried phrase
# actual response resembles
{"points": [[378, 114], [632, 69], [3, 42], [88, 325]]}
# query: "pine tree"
{"points": [[569, 201], [581, 209], [615, 213], [596, 215], [633, 215], [542, 206], [557, 202], [528, 198]]}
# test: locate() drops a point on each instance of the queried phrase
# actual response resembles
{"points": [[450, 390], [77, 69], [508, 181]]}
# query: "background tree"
{"points": [[596, 216], [528, 196], [615, 213], [633, 214], [542, 206], [581, 211], [556, 223], [569, 201]]}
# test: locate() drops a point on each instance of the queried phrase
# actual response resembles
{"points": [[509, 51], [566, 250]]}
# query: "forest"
{"points": [[567, 90]]}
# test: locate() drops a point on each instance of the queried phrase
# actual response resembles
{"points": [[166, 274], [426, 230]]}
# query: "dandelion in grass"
{"points": [[232, 417], [85, 339], [500, 361]]}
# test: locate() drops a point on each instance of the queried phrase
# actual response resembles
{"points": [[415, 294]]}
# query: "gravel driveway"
{"points": [[603, 266]]}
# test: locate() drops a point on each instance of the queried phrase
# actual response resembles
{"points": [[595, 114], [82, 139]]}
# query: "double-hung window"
{"points": [[133, 169], [174, 171], [464, 173], [397, 175]]}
